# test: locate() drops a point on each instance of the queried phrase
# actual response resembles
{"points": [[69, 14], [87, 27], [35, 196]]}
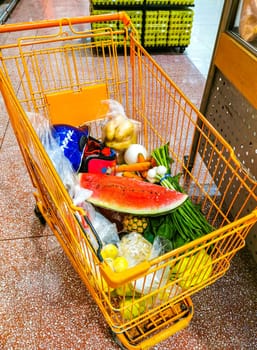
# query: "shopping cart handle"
{"points": [[15, 27], [117, 279]]}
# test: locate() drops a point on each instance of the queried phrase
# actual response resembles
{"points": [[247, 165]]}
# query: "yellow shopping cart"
{"points": [[62, 70]]}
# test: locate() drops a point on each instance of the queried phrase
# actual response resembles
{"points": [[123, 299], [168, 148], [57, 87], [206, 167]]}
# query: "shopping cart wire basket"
{"points": [[62, 70]]}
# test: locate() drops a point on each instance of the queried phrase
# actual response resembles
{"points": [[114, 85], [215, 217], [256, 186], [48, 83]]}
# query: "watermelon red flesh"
{"points": [[129, 195]]}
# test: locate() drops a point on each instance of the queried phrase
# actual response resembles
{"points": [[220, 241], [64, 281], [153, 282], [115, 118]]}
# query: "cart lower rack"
{"points": [[62, 71]]}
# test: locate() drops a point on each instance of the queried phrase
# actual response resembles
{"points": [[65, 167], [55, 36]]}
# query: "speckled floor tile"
{"points": [[34, 10], [22, 276], [17, 200], [48, 9], [184, 74], [226, 312], [70, 317], [4, 120]]}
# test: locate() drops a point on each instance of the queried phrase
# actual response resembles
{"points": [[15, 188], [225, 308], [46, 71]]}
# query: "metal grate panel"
{"points": [[236, 119]]}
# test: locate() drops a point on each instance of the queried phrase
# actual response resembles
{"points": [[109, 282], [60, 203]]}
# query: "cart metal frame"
{"points": [[56, 61]]}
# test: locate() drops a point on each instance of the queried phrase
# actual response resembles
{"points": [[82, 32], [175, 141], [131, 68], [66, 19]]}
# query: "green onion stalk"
{"points": [[188, 219]]}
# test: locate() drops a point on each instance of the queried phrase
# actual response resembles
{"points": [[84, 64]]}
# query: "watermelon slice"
{"points": [[129, 195]]}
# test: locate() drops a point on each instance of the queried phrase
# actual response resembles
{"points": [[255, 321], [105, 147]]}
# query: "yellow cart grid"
{"points": [[62, 70]]}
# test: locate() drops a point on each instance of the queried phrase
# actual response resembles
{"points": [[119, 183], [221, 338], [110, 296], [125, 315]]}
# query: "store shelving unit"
{"points": [[159, 23]]}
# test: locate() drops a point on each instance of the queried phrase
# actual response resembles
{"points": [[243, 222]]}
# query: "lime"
{"points": [[109, 251], [120, 264]]}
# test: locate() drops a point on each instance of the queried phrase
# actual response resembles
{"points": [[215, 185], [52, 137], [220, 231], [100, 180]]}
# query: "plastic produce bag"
{"points": [[153, 281], [248, 20], [161, 245], [62, 165], [158, 279], [135, 248], [107, 231], [119, 131]]}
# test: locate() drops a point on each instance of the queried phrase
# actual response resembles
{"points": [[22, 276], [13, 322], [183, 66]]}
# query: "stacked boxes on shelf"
{"points": [[156, 28], [135, 16], [151, 23], [170, 2], [104, 3], [180, 28], [159, 23], [168, 28], [98, 25], [137, 20]]}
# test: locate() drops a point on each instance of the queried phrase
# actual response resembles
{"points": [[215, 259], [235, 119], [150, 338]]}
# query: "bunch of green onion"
{"points": [[188, 220]]}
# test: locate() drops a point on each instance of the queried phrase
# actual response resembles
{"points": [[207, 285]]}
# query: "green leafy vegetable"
{"points": [[186, 222]]}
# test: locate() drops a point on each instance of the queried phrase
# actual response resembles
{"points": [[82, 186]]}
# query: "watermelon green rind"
{"points": [[129, 195]]}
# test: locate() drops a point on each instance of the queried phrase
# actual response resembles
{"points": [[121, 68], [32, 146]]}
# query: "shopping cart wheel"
{"points": [[39, 215], [117, 340]]}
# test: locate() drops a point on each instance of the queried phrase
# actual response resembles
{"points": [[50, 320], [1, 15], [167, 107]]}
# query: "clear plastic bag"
{"points": [[160, 246], [248, 20], [107, 231], [135, 248], [62, 165], [153, 281], [119, 131]]}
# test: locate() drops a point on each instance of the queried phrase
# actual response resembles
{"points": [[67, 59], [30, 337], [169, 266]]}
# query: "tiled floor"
{"points": [[43, 303]]}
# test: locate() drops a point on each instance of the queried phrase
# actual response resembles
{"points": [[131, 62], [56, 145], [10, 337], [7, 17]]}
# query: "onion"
{"points": [[152, 173], [132, 152], [161, 170]]}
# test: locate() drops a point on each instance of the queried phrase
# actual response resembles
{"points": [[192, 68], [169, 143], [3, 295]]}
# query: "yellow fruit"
{"points": [[120, 264], [109, 130], [181, 266], [124, 130], [109, 261], [132, 308], [197, 279], [125, 290], [119, 146], [168, 293], [103, 285], [194, 269], [109, 251]]}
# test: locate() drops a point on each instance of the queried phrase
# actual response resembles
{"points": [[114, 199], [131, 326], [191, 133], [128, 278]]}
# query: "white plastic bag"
{"points": [[158, 279]]}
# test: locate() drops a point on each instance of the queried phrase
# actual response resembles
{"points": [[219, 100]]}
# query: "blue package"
{"points": [[72, 141]]}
